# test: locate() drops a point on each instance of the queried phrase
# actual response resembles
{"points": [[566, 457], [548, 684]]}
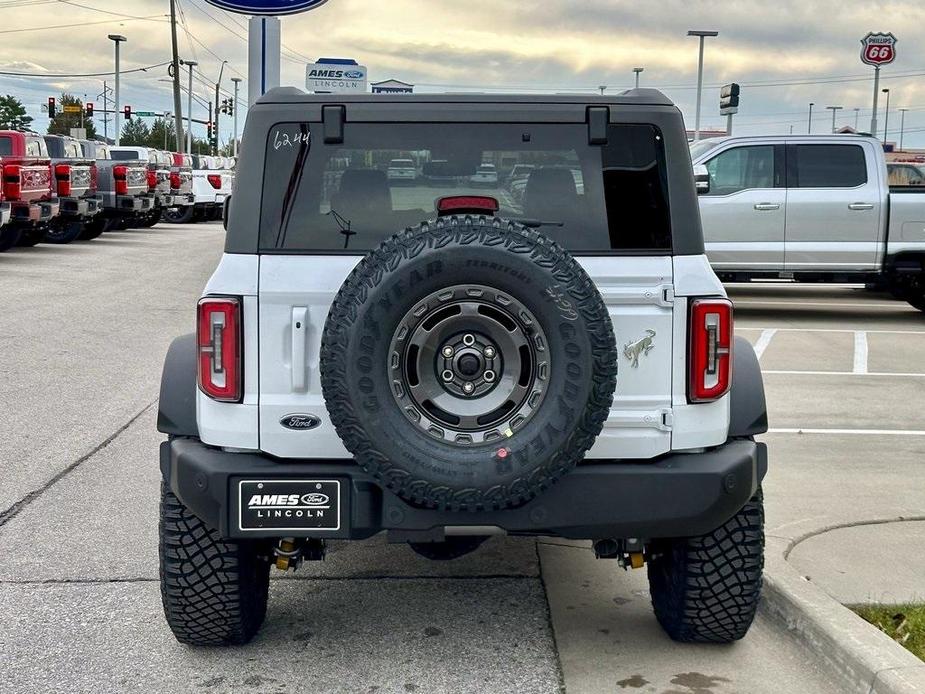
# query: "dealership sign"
{"points": [[878, 49], [335, 77], [267, 7]]}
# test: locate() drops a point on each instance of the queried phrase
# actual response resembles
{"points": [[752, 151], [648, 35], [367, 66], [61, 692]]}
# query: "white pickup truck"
{"points": [[811, 207]]}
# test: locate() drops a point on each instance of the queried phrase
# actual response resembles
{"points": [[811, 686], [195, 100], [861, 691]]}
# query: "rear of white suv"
{"points": [[462, 375]]}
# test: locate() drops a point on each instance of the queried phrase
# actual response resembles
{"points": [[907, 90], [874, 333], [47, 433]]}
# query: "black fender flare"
{"points": [[748, 411], [176, 409]]}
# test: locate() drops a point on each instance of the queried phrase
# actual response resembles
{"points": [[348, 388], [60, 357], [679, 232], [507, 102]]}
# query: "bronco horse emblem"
{"points": [[634, 350]]}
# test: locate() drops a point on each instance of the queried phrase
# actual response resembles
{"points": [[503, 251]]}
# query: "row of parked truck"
{"points": [[57, 189]]}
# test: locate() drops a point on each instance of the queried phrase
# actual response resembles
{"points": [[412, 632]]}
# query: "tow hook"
{"points": [[291, 552], [629, 553]]}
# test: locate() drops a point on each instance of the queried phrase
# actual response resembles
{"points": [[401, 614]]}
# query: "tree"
{"points": [[135, 132], [13, 114], [163, 130], [62, 123]]}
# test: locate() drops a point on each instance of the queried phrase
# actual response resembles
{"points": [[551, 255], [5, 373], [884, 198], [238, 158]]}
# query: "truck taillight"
{"points": [[219, 345], [93, 179], [63, 179], [12, 181], [175, 181], [710, 353], [215, 180], [120, 176], [152, 179]]}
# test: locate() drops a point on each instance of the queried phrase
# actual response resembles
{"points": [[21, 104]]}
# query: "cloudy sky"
{"points": [[785, 54]]}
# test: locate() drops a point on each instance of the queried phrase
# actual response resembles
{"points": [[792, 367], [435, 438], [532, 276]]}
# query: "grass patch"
{"points": [[905, 624]]}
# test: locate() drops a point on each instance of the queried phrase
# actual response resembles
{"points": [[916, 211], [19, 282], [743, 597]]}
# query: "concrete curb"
{"points": [[864, 659]]}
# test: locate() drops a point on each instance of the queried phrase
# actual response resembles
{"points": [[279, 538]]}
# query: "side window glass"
{"points": [[829, 166], [741, 168]]}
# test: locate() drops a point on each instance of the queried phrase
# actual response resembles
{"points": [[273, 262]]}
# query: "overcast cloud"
{"points": [[523, 45]]}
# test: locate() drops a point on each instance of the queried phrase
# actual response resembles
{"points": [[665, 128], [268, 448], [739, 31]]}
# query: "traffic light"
{"points": [[51, 107], [89, 110], [128, 112], [729, 99], [227, 106], [209, 131]]}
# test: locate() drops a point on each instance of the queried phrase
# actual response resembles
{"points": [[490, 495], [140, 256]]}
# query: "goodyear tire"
{"points": [[468, 363], [214, 591], [706, 589]]}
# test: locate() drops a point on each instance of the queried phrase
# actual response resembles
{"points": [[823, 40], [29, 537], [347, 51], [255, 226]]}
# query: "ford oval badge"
{"points": [[300, 421]]}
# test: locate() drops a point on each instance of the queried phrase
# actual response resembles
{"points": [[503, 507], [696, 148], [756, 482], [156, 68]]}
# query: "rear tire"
{"points": [[65, 232], [93, 228], [214, 591], [8, 238], [150, 219], [179, 215], [706, 589], [31, 237]]}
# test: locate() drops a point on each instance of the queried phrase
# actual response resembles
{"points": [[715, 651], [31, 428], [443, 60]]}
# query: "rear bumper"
{"points": [[674, 496], [177, 200], [134, 203], [79, 207], [34, 212]]}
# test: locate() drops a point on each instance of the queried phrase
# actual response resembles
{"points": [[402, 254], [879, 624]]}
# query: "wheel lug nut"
{"points": [[448, 351], [489, 352], [468, 387], [447, 375], [489, 375], [468, 340]]}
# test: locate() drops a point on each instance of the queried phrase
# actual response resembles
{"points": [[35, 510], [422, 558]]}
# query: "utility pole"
{"points": [[234, 110], [702, 35], [209, 149], [215, 123], [117, 39], [809, 130], [105, 97], [834, 110], [175, 69], [902, 126], [857, 113], [189, 106]]}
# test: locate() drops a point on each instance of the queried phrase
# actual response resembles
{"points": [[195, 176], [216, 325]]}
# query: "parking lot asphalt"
{"points": [[79, 605]]}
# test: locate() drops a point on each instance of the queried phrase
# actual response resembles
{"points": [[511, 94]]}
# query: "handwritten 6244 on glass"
{"points": [[878, 49]]}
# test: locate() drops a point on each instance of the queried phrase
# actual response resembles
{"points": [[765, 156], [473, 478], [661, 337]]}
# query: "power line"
{"points": [[151, 18], [45, 75], [97, 9]]}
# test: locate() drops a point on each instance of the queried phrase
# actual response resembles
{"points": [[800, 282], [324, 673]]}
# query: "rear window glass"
{"points": [[123, 155], [349, 197], [828, 166], [6, 146]]}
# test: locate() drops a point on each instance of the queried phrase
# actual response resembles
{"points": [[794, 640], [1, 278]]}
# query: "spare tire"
{"points": [[468, 363]]}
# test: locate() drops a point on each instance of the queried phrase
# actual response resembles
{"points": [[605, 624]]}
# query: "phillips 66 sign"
{"points": [[267, 7], [878, 49]]}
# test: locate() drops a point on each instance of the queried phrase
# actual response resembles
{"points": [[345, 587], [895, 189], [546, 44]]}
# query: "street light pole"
{"points": [[886, 115], [234, 110], [117, 39], [857, 113], [637, 70], [215, 122], [873, 118], [702, 35], [809, 130], [834, 110], [902, 126], [189, 106], [602, 87]]}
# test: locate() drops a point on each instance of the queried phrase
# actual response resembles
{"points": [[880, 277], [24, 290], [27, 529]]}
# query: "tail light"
{"points": [[215, 180], [175, 180], [710, 349], [219, 339], [152, 179], [63, 178], [120, 176], [93, 177], [454, 204], [12, 181]]}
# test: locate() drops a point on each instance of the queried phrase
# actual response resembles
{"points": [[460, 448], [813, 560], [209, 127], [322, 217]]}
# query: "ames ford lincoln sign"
{"points": [[267, 7], [335, 76]]}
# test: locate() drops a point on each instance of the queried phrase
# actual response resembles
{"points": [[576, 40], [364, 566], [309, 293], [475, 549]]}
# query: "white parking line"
{"points": [[860, 352], [827, 304], [862, 432], [787, 372], [831, 330], [763, 341]]}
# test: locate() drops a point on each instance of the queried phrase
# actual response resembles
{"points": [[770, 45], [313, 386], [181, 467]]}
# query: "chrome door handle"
{"points": [[767, 206], [861, 206]]}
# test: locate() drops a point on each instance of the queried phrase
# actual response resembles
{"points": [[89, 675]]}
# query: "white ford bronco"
{"points": [[445, 358]]}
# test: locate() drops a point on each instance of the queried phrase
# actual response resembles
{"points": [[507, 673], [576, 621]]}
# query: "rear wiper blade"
{"points": [[534, 223]]}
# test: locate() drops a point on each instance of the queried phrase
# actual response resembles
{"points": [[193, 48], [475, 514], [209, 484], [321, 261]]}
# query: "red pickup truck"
{"points": [[28, 188]]}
